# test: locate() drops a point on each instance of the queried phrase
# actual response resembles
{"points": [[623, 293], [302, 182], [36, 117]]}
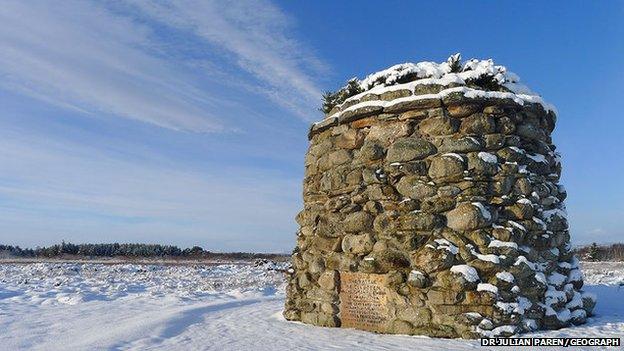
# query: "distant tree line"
{"points": [[595, 252], [65, 249]]}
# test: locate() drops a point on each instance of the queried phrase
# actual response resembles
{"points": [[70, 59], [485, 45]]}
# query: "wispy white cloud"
{"points": [[101, 58], [256, 33], [77, 54]]}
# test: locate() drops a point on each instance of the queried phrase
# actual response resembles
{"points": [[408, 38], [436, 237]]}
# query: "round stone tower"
{"points": [[432, 206]]}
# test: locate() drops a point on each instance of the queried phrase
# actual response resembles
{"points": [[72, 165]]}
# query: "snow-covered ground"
{"points": [[83, 306]]}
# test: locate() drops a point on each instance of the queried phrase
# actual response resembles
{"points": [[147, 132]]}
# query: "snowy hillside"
{"points": [[72, 306]]}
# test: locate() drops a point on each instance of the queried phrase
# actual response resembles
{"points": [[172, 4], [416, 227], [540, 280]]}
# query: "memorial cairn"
{"points": [[432, 206]]}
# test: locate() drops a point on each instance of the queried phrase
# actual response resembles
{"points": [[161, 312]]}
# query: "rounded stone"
{"points": [[414, 188], [464, 144], [371, 151], [385, 222], [468, 216], [328, 225], [417, 279], [350, 139], [358, 222], [339, 157], [420, 221], [389, 132], [358, 244], [439, 126], [430, 260], [437, 204], [328, 280], [479, 124], [317, 265], [447, 166], [482, 163], [387, 260], [454, 281], [520, 210], [408, 149]]}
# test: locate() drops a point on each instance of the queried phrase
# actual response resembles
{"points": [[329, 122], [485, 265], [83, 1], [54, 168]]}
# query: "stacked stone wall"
{"points": [[453, 200]]}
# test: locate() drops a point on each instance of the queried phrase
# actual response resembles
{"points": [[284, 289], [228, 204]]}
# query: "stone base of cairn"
{"points": [[433, 207]]}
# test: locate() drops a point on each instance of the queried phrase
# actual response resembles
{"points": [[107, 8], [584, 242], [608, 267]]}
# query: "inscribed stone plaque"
{"points": [[363, 301]]}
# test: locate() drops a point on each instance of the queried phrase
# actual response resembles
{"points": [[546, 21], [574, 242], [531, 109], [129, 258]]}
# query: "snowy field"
{"points": [[78, 306]]}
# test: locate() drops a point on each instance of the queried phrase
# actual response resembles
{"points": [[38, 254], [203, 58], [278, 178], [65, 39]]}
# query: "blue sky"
{"points": [[185, 122]]}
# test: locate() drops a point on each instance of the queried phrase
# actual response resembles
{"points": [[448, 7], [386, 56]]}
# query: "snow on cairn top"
{"points": [[474, 78]]}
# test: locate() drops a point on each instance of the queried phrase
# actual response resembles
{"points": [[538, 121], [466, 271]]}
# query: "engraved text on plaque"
{"points": [[363, 301]]}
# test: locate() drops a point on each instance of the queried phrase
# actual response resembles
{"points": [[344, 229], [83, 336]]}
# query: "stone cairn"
{"points": [[432, 206]]}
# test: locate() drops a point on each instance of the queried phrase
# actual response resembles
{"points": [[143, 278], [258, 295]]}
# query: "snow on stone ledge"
{"points": [[498, 331], [444, 244], [487, 287], [469, 273], [505, 276], [452, 154], [498, 243], [487, 157], [484, 212]]}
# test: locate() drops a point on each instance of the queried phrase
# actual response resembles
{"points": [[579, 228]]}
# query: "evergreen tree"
{"points": [[592, 253], [331, 99], [454, 62]]}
